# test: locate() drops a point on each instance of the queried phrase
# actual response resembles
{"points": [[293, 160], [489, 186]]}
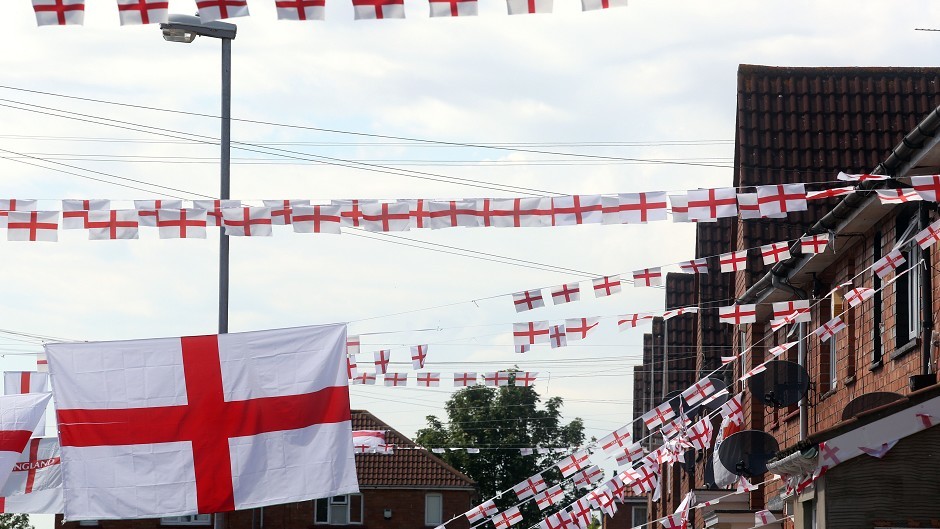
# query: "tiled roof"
{"points": [[410, 466]]}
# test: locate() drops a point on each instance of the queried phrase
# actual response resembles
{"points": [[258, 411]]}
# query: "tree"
{"points": [[500, 422], [15, 521]]}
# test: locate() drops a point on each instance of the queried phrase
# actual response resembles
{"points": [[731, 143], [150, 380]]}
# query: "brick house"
{"points": [[806, 125], [409, 489]]}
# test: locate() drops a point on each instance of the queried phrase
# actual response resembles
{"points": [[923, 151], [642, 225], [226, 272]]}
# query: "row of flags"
{"points": [[433, 380], [136, 12], [176, 219]]}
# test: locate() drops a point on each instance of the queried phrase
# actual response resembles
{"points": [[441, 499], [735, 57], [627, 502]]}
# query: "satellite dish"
{"points": [[868, 401], [746, 453], [716, 402], [678, 404], [783, 383]]}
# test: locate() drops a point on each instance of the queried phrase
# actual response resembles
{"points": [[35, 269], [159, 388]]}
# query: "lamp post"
{"points": [[185, 28]]}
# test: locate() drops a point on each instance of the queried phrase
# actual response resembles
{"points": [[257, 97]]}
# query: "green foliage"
{"points": [[15, 521], [507, 418]]}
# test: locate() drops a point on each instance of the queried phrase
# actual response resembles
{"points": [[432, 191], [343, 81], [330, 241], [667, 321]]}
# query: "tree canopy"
{"points": [[15, 521], [500, 421]]}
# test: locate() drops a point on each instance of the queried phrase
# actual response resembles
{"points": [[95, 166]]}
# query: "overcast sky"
{"points": [[642, 78]]}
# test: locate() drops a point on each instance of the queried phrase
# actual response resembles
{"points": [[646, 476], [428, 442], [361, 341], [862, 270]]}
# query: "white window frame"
{"points": [[428, 520], [192, 519], [334, 501]]}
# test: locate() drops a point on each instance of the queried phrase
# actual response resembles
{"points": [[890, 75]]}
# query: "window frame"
{"points": [[188, 520], [338, 501], [907, 285], [639, 507], [440, 509]]}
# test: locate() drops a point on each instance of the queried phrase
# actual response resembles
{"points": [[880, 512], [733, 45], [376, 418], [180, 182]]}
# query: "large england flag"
{"points": [[38, 468], [20, 382], [40, 502], [19, 415], [203, 424]]}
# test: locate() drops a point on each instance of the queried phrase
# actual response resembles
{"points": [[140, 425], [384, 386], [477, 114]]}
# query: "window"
{"points": [[877, 327], [433, 509], [838, 306], [639, 515], [194, 519], [742, 345], [93, 523], [338, 510], [907, 286]]}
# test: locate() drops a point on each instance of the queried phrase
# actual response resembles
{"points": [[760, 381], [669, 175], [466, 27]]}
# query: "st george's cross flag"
{"points": [[203, 424], [19, 415], [40, 502], [39, 468], [20, 382]]}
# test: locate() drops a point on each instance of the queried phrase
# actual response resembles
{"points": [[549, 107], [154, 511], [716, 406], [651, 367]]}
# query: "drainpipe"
{"points": [[665, 357], [801, 359]]}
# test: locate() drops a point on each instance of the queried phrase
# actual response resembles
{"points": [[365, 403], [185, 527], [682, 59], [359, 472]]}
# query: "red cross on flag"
{"points": [[700, 434], [247, 222], [617, 488], [748, 208], [525, 378], [523, 212], [860, 177], [737, 314], [640, 208], [59, 12], [367, 440], [897, 196], [781, 199], [558, 337], [214, 209], [733, 410], [926, 186], [75, 212], [577, 209], [507, 518], [317, 219], [453, 8], [10, 205], [300, 9], [581, 513], [602, 498], [630, 321], [760, 368], [588, 476], [530, 487], [573, 463], [763, 517], [647, 480], [429, 380], [182, 223], [419, 353], [814, 244], [566, 293], [579, 328], [615, 442], [528, 300], [774, 252], [19, 415], [698, 392], [454, 213], [478, 513], [523, 7], [32, 226], [709, 204], [382, 358], [23, 382], [522, 349], [743, 485], [797, 311], [672, 313], [658, 416], [112, 224], [386, 216], [352, 369], [733, 261], [530, 333], [632, 453], [857, 296], [147, 210], [928, 236], [142, 12], [830, 328], [496, 379], [780, 349], [695, 266], [350, 211], [462, 380], [218, 9], [829, 193], [367, 379], [37, 470], [353, 344], [593, 5], [282, 211], [648, 277], [394, 380], [888, 263], [199, 415], [549, 497], [679, 207], [559, 520]]}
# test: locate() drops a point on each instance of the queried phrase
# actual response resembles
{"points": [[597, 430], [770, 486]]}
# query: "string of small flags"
{"points": [[174, 220], [136, 12], [433, 380]]}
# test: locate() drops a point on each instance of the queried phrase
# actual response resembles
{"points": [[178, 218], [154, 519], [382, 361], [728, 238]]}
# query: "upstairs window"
{"points": [[338, 510]]}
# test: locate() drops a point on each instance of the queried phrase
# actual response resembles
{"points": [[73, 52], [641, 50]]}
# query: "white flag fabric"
{"points": [[244, 222], [378, 9], [182, 223], [317, 219], [214, 209], [282, 211], [19, 415], [22, 382], [453, 8], [148, 210], [40, 502], [577, 209], [38, 468], [386, 216], [59, 12], [75, 212], [303, 10], [211, 423], [218, 9], [112, 224], [365, 441], [32, 225], [522, 7]]}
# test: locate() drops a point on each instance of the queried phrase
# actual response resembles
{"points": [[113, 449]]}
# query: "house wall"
{"points": [[623, 519]]}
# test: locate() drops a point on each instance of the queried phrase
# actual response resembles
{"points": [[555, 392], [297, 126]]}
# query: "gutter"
{"points": [[893, 164]]}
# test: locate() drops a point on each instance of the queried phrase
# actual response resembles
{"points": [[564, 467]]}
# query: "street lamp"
{"points": [[185, 28]]}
